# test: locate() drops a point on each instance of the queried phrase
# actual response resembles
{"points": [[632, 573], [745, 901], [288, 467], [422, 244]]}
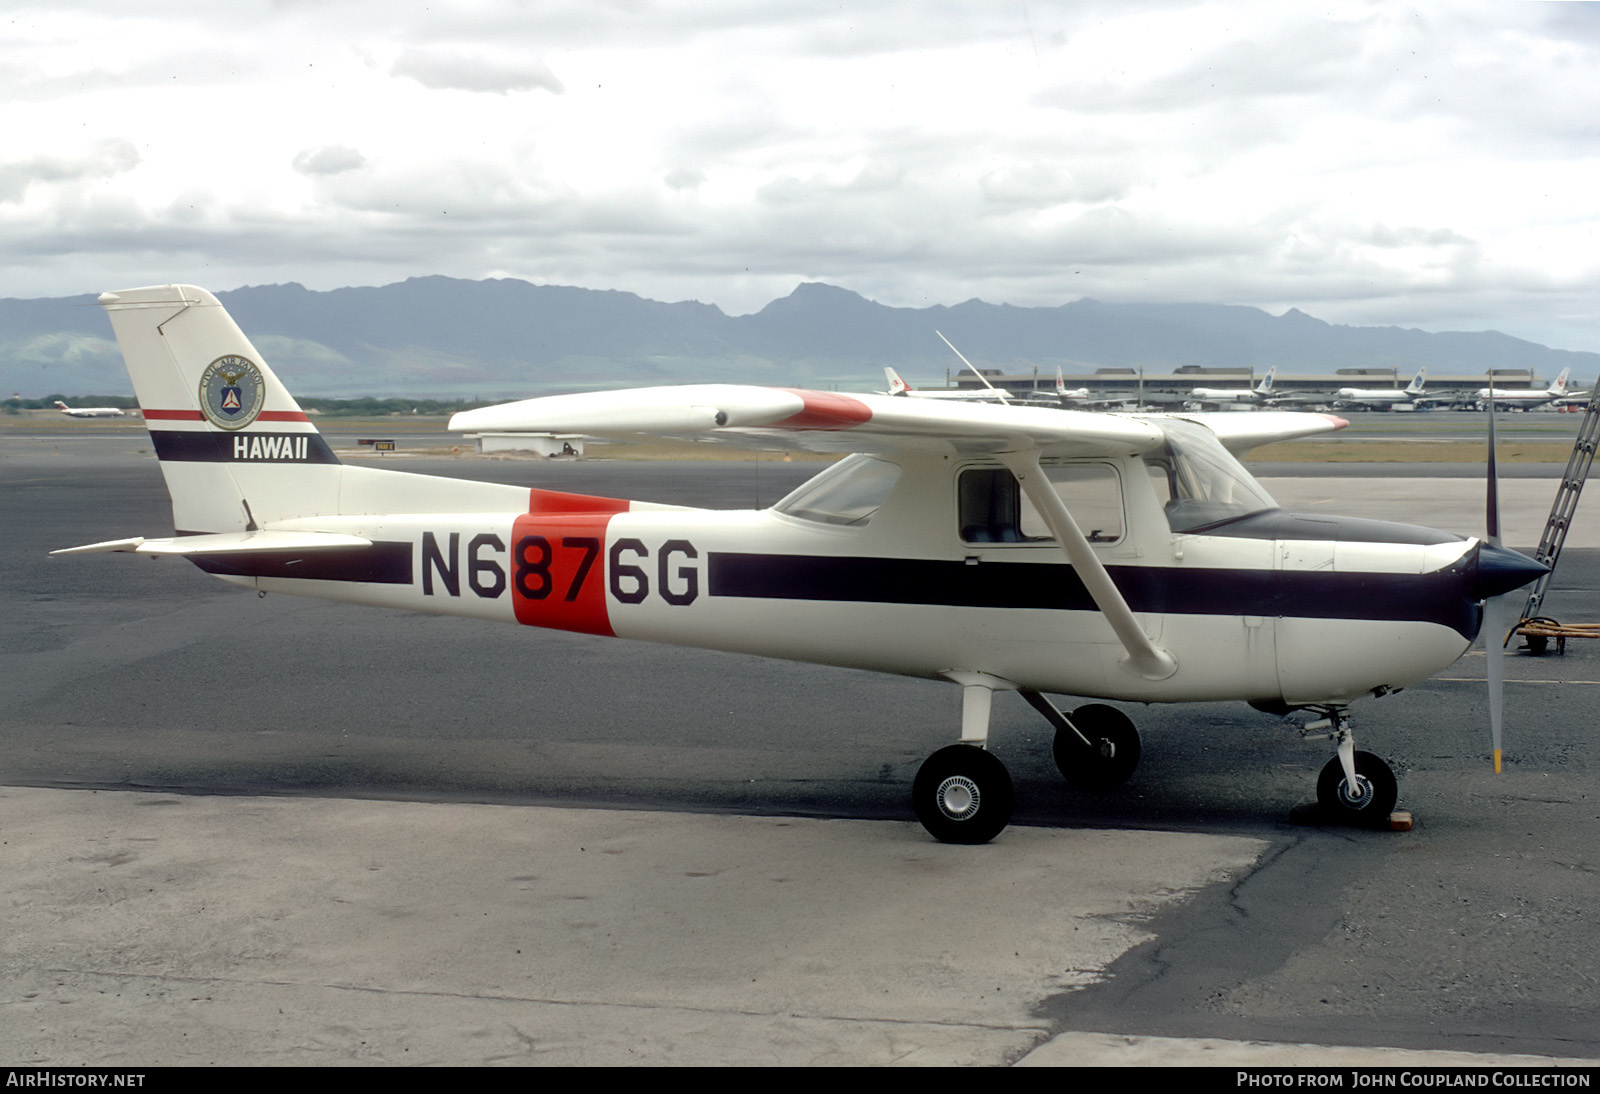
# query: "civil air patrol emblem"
{"points": [[232, 392]]}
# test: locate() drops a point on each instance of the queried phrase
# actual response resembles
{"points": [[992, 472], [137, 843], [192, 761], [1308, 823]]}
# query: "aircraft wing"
{"points": [[793, 418]]}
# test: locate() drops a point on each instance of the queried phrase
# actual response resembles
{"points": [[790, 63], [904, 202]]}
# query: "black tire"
{"points": [[962, 794], [1113, 751], [1372, 805]]}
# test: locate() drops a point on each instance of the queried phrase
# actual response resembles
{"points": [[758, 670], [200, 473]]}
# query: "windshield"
{"points": [[1199, 482], [849, 492]]}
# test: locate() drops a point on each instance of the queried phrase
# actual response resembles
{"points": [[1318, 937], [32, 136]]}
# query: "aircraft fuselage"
{"points": [[1272, 607]]}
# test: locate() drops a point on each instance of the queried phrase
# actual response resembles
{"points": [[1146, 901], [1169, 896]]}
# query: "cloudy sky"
{"points": [[1430, 165]]}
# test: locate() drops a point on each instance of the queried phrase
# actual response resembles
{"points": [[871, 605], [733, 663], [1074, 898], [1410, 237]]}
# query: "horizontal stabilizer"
{"points": [[222, 543]]}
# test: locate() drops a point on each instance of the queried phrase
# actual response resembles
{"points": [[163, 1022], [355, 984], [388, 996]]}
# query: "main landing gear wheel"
{"points": [[1113, 750], [962, 794], [1373, 798]]}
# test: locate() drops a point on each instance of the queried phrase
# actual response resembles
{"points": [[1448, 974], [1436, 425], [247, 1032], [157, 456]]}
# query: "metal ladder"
{"points": [[1566, 503]]}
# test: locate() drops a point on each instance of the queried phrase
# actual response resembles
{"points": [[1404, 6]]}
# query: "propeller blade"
{"points": [[1494, 607], [1495, 625], [1492, 474]]}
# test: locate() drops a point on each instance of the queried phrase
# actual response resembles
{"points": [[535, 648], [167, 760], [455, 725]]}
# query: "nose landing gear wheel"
{"points": [[962, 794], [1369, 802], [1113, 750]]}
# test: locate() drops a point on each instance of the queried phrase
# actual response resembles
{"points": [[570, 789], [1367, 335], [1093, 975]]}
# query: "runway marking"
{"points": [[1484, 680]]}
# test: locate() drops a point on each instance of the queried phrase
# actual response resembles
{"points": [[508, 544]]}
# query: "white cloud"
{"points": [[105, 159], [1428, 165], [333, 159], [457, 70]]}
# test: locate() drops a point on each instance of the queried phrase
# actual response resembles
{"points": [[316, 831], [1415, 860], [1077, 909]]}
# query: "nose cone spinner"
{"points": [[1500, 570]]}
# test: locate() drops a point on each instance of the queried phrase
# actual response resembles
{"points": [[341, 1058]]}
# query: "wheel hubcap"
{"points": [[1362, 795], [958, 798]]}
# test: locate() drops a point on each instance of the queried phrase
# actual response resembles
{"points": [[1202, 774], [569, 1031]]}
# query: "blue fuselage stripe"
{"points": [[1439, 597], [381, 564]]}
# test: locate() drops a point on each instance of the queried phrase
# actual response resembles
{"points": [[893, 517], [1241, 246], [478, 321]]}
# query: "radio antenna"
{"points": [[1004, 395]]}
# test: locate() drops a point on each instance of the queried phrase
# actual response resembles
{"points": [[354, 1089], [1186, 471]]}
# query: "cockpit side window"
{"points": [[994, 509], [990, 502]]}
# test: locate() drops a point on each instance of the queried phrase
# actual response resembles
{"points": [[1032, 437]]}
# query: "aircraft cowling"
{"points": [[1362, 605], [1487, 570]]}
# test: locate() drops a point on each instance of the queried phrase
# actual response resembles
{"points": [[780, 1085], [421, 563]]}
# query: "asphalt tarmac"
{"points": [[243, 830]]}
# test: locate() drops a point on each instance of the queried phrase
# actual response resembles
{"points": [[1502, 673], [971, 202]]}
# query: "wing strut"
{"points": [[1144, 657]]}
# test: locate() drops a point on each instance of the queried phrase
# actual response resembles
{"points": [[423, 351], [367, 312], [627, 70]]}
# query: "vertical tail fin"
{"points": [[897, 386], [235, 448], [1560, 386], [1266, 383], [1418, 382]]}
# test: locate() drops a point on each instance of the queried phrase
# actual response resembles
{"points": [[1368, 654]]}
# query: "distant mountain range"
{"points": [[443, 337]]}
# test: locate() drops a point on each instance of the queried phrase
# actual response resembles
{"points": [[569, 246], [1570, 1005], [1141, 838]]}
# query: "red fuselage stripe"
{"points": [[558, 563], [557, 501], [558, 567]]}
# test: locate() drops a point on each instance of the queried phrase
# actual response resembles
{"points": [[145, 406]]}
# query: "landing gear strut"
{"points": [[1097, 748], [1355, 788]]}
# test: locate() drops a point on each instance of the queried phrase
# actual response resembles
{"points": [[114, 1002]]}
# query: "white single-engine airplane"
{"points": [[88, 411], [1002, 548]]}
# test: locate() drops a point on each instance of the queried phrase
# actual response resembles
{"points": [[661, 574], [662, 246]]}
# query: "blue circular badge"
{"points": [[232, 392]]}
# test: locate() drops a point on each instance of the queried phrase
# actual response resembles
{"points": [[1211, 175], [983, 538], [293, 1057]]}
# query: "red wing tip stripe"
{"points": [[197, 416], [825, 410]]}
